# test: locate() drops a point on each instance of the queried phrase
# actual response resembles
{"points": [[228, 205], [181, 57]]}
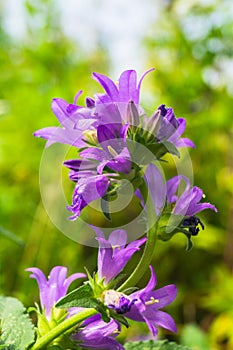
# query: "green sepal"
{"points": [[160, 149], [114, 283], [103, 310], [138, 154], [90, 278], [43, 325], [130, 290], [169, 225], [32, 309], [165, 236], [96, 284]]}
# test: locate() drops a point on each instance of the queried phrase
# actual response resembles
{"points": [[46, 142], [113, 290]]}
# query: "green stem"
{"points": [[148, 252], [60, 329]]}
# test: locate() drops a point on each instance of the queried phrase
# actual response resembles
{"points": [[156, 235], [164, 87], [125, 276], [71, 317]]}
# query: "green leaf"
{"points": [[103, 310], [84, 297], [76, 297], [154, 345], [16, 327]]}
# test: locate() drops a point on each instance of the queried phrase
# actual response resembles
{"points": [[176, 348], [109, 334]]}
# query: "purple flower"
{"points": [[74, 121], [108, 130], [113, 152], [182, 207], [89, 184], [126, 90], [144, 305], [53, 288], [80, 168], [97, 334], [147, 305], [114, 253], [86, 191], [187, 204], [166, 127], [93, 180], [171, 128]]}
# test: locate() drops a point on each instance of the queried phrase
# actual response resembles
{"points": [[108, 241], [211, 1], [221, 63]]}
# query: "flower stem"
{"points": [[148, 252], [61, 328]]}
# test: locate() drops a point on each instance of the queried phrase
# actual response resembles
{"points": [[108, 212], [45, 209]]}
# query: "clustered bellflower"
{"points": [[105, 129], [107, 133]]}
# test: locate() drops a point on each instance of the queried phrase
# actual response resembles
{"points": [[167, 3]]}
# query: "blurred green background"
{"points": [[190, 44]]}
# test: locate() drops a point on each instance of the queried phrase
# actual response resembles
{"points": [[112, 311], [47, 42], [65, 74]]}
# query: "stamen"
{"points": [[90, 136], [116, 247], [151, 301], [112, 151]]}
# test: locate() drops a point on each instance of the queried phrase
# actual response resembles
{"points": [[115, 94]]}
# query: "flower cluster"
{"points": [[109, 130], [116, 141]]}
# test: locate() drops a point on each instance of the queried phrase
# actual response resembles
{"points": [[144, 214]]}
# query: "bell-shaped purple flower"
{"points": [[53, 288], [86, 191], [147, 305], [186, 204], [164, 126], [127, 90], [80, 168], [144, 305], [90, 173], [74, 121], [97, 334], [114, 253], [113, 152]]}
